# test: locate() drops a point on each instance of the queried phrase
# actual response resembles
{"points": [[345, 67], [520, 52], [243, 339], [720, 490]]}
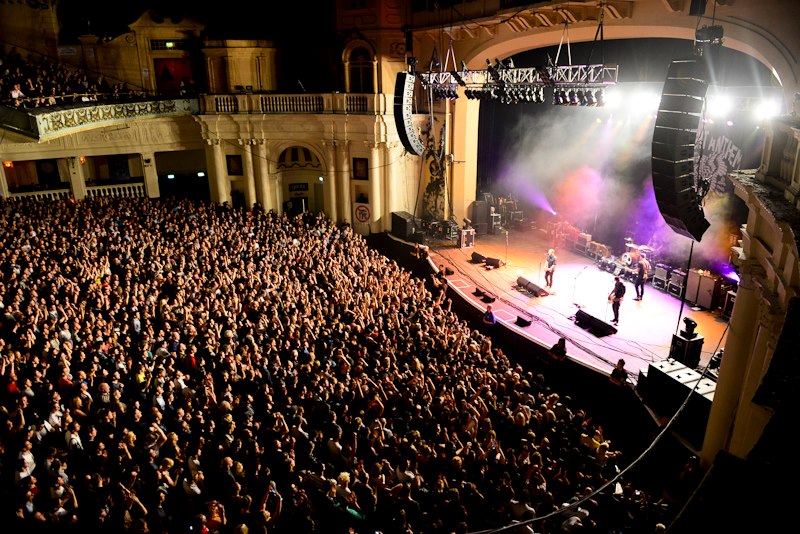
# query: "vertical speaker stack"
{"points": [[674, 138], [480, 217], [686, 349]]}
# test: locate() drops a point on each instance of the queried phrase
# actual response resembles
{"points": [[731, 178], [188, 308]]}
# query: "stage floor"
{"points": [[646, 327]]}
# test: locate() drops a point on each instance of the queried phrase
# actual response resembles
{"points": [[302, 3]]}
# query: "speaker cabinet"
{"points": [[662, 271], [674, 138], [686, 351], [402, 224], [594, 325], [480, 212], [730, 300], [709, 294], [664, 390], [526, 285], [403, 110], [481, 228], [692, 286]]}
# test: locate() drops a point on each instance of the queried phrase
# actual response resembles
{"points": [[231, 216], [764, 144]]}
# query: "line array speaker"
{"points": [[403, 101], [674, 138]]}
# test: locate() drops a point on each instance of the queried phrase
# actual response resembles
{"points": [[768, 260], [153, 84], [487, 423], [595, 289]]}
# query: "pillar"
{"points": [[377, 169], [733, 368], [261, 175], [249, 178], [150, 175], [218, 180], [3, 183], [343, 173], [464, 150], [76, 180], [331, 183]]}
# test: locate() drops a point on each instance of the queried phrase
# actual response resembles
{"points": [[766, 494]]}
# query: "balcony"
{"points": [[275, 104], [48, 123]]}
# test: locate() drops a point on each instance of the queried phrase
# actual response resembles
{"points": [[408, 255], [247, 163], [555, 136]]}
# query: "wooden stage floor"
{"points": [[646, 327]]}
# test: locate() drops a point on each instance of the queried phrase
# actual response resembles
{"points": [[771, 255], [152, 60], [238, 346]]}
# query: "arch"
{"points": [[298, 167], [360, 67]]}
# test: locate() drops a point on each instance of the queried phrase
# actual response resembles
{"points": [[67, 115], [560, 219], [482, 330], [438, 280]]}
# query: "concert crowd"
{"points": [[170, 366]]}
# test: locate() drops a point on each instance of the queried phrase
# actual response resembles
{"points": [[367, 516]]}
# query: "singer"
{"points": [[550, 267]]}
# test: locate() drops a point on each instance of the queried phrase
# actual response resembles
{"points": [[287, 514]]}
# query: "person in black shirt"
{"points": [[615, 297], [642, 268]]}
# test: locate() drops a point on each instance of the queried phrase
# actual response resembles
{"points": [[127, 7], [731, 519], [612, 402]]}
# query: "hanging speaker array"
{"points": [[674, 137]]}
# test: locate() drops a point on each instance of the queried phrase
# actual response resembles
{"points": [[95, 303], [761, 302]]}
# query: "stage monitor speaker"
{"points": [[402, 224], [418, 237], [594, 325], [521, 321], [686, 351], [478, 258], [530, 287], [674, 137], [493, 262], [730, 300], [403, 111]]}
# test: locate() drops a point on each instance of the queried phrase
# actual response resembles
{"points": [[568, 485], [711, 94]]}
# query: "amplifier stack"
{"points": [[661, 276], [677, 281]]}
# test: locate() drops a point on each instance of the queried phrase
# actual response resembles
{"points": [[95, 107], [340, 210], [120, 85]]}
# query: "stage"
{"points": [[646, 328]]}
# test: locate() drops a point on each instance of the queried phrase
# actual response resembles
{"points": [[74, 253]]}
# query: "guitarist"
{"points": [[615, 297], [549, 268]]}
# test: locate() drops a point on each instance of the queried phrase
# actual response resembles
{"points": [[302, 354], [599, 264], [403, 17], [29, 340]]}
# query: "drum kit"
{"points": [[631, 257]]}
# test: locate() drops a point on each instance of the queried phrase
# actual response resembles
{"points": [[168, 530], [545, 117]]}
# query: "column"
{"points": [[330, 185], [376, 170], [76, 180], [218, 179], [3, 182], [463, 173], [150, 175], [261, 175], [733, 368], [343, 173], [249, 179]]}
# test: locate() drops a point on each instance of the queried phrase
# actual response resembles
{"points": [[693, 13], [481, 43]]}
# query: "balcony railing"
{"points": [[338, 103], [116, 191], [45, 124], [49, 194]]}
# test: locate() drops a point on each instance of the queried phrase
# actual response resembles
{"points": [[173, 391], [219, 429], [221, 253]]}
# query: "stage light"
{"points": [[729, 123], [170, 177], [582, 99], [645, 101], [8, 164], [689, 333], [573, 98], [767, 109], [201, 174], [718, 106]]}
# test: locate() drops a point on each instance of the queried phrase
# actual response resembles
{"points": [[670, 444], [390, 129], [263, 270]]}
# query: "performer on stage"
{"points": [[643, 267], [615, 297], [550, 266]]}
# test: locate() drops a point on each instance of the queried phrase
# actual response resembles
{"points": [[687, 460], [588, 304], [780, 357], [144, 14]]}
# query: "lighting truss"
{"points": [[513, 85]]}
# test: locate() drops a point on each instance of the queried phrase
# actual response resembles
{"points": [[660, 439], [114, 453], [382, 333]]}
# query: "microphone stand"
{"points": [[574, 286]]}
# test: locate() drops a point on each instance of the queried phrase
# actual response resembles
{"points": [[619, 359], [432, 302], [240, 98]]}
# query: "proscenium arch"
{"points": [[746, 33]]}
